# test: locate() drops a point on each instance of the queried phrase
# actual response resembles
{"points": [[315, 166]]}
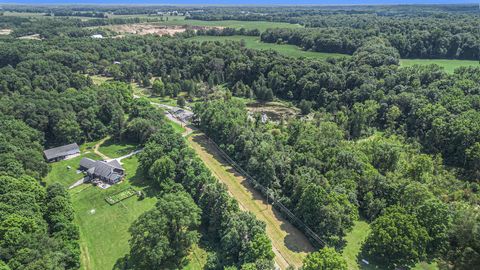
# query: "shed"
{"points": [[61, 152]]}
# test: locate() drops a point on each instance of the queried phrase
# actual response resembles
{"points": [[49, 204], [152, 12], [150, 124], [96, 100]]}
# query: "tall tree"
{"points": [[162, 237]]}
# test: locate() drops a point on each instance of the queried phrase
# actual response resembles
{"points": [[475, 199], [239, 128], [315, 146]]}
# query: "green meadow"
{"points": [[352, 250], [285, 49], [65, 171], [104, 228], [291, 50], [114, 149], [448, 64]]}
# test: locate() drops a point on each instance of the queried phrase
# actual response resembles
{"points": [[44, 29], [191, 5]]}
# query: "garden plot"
{"points": [[120, 196]]}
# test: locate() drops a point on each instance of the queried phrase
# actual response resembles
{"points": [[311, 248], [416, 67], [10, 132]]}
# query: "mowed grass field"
{"points": [[449, 65], [285, 49], [116, 149], [65, 171], [104, 228]]}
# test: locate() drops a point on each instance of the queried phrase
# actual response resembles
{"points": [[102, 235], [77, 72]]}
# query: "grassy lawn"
{"points": [[116, 149], [285, 49], [97, 79], [177, 127], [104, 227], [167, 100], [291, 50], [354, 243], [355, 238], [62, 174]]}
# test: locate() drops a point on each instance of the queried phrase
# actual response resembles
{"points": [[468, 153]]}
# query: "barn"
{"points": [[61, 152]]}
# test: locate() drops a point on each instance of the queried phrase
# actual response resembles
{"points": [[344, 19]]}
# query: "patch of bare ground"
{"points": [[5, 31], [155, 29], [289, 244], [145, 29], [274, 110], [31, 37]]}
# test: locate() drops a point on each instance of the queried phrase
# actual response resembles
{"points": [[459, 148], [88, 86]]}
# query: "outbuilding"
{"points": [[61, 152]]}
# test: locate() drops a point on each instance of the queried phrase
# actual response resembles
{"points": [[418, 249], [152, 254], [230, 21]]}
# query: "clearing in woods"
{"points": [[290, 245], [449, 65], [352, 251], [104, 228]]}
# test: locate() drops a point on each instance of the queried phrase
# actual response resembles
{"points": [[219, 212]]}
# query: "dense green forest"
{"points": [[47, 100], [396, 146], [439, 32]]}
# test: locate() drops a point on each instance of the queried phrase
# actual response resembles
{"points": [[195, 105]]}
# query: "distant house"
{"points": [[61, 152], [96, 36], [109, 171], [182, 115]]}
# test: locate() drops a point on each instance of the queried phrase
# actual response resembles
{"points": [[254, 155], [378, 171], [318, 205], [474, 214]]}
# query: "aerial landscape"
{"points": [[240, 135]]}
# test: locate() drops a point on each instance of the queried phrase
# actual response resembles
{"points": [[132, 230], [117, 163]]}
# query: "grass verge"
{"points": [[290, 245], [65, 171]]}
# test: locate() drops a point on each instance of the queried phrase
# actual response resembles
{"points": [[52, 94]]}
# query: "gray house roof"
{"points": [[87, 163], [115, 164], [111, 170], [107, 171], [61, 151]]}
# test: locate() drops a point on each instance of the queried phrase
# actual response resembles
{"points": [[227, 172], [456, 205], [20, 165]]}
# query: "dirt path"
{"points": [[289, 244], [95, 149]]}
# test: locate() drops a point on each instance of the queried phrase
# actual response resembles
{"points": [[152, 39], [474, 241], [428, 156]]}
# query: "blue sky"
{"points": [[239, 2]]}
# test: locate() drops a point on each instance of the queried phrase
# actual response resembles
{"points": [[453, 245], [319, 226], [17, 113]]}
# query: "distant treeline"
{"points": [[77, 14], [85, 9], [49, 27], [415, 31], [409, 39]]}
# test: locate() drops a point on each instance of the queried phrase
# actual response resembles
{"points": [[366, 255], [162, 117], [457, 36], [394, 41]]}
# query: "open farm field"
{"points": [[285, 49], [448, 64], [291, 50]]}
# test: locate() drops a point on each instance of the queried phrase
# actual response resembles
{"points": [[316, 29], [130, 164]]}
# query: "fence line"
{"points": [[269, 194]]}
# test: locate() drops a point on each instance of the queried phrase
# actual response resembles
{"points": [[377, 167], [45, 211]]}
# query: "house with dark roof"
{"points": [[111, 171], [61, 152]]}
